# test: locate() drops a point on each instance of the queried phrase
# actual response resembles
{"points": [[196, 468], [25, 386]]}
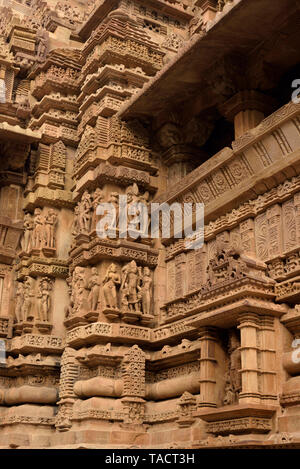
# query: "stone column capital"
{"points": [[208, 333], [247, 100], [248, 319]]}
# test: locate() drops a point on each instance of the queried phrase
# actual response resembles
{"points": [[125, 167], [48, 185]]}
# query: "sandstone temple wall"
{"points": [[144, 343]]}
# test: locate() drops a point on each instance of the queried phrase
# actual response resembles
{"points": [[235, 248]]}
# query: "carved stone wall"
{"points": [[106, 341]]}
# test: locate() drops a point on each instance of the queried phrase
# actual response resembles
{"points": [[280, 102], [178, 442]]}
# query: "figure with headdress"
{"points": [[110, 282]]}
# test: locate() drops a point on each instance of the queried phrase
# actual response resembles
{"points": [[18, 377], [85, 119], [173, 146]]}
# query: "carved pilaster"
{"points": [[249, 325], [267, 360], [68, 375], [133, 373], [207, 337]]}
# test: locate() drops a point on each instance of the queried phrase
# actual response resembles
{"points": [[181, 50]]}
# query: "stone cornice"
{"points": [[125, 250], [232, 177], [17, 133], [177, 9], [126, 333], [227, 29]]}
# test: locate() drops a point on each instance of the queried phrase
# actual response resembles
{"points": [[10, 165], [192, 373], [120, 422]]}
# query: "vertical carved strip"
{"points": [[102, 130], [211, 250], [297, 217], [274, 231], [171, 280], [296, 123], [44, 157], [133, 373], [180, 275], [235, 238], [58, 156], [282, 142], [190, 257], [262, 154], [200, 266], [261, 236], [9, 83], [267, 360], [247, 236], [68, 376], [1, 292], [289, 225]]}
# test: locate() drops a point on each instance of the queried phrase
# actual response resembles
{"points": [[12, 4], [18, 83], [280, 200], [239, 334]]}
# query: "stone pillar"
{"points": [[249, 325], [268, 360], [246, 120], [179, 161], [247, 109], [207, 360], [181, 145]]}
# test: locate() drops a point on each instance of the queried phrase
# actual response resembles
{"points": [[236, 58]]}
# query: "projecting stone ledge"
{"points": [[16, 132]]}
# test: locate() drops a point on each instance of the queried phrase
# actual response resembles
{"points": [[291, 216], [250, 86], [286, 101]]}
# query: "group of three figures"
{"points": [[85, 212], [86, 217], [39, 230], [134, 283], [25, 295], [135, 288]]}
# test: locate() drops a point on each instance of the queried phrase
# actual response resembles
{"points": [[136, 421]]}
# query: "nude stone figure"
{"points": [[19, 302], [94, 288], [50, 223], [110, 282], [38, 229], [146, 291], [44, 301], [28, 231], [130, 283]]}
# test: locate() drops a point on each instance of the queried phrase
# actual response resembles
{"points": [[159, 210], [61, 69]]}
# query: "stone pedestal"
{"points": [[49, 252], [146, 319], [238, 419], [92, 316], [111, 313], [43, 326], [131, 316], [82, 238], [76, 320]]}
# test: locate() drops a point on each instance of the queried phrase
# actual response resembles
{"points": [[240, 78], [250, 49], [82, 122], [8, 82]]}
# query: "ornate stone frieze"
{"points": [[30, 343], [236, 165]]}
